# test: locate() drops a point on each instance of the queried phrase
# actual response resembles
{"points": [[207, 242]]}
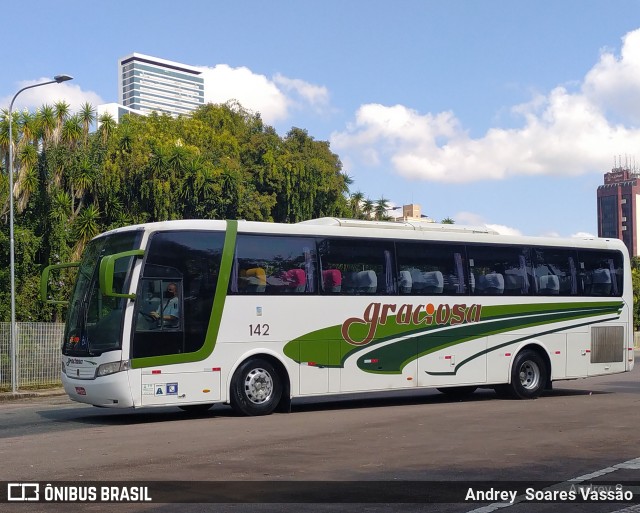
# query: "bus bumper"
{"points": [[110, 391]]}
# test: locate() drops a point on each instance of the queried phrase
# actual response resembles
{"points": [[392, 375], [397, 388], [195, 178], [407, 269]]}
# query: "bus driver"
{"points": [[170, 311]]}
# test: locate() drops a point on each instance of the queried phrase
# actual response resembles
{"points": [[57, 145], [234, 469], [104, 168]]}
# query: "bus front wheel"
{"points": [[529, 375], [256, 388]]}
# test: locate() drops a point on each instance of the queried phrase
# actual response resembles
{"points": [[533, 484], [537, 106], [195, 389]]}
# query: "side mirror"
{"points": [[107, 270], [44, 282]]}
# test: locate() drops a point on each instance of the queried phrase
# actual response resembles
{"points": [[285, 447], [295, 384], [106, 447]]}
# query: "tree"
{"points": [[87, 116], [71, 131], [107, 126], [221, 162], [28, 124], [61, 111], [27, 180], [448, 220], [355, 204], [86, 227], [368, 207], [380, 209], [47, 122]]}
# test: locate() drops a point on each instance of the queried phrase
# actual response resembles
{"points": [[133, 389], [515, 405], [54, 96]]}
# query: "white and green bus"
{"points": [[192, 313]]}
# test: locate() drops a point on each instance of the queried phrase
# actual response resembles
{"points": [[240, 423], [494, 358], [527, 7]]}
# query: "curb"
{"points": [[29, 394]]}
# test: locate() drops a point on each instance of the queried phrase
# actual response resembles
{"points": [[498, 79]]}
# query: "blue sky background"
{"points": [[501, 112]]}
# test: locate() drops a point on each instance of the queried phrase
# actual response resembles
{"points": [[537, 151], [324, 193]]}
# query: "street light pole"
{"points": [[13, 332]]}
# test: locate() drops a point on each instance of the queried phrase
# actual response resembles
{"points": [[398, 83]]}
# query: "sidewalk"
{"points": [[27, 394]]}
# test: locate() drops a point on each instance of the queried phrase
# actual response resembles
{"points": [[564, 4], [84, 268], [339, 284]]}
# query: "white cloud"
{"points": [[255, 92], [272, 98], [469, 218], [583, 235], [50, 94], [614, 82], [314, 95], [562, 133], [504, 230], [472, 219]]}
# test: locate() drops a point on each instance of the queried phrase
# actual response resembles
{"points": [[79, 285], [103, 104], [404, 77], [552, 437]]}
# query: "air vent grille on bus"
{"points": [[607, 344]]}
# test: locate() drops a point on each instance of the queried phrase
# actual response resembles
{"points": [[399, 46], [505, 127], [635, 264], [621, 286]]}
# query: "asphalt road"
{"points": [[580, 428]]}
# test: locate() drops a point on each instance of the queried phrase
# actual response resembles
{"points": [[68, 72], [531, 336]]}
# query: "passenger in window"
{"points": [[170, 311], [253, 280]]}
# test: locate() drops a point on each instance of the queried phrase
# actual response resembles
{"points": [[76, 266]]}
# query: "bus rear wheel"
{"points": [[529, 375], [256, 388]]}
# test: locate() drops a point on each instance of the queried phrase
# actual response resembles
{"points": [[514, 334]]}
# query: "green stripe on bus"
{"points": [[216, 312], [394, 357], [515, 341], [326, 346]]}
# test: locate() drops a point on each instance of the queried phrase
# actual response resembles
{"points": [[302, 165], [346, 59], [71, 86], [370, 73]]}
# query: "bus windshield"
{"points": [[94, 322]]}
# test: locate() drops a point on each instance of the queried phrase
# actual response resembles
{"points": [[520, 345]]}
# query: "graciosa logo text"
{"points": [[377, 314]]}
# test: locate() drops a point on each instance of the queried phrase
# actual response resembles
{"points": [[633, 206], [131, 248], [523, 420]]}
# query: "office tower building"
{"points": [[617, 207], [148, 84]]}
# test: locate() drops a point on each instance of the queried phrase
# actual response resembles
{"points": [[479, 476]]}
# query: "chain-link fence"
{"points": [[38, 354]]}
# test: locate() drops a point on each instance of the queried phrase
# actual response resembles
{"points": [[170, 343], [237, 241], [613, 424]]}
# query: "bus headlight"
{"points": [[111, 368]]}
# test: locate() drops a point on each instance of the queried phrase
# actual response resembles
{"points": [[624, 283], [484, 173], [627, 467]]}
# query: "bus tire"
{"points": [[529, 375], [256, 388], [458, 392]]}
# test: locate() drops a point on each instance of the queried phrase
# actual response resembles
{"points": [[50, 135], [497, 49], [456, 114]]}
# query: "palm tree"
{"points": [[380, 209], [47, 123], [4, 138], [125, 143], [87, 116], [27, 181], [192, 187], [83, 178], [178, 158], [355, 204], [61, 205], [159, 163], [86, 227], [71, 132], [107, 126], [29, 128], [346, 180], [448, 220], [61, 110], [367, 208]]}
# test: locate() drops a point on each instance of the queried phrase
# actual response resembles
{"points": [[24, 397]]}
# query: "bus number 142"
{"points": [[259, 330]]}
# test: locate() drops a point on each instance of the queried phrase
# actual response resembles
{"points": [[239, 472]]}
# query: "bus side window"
{"points": [[148, 301], [177, 262], [498, 270], [599, 273], [274, 265], [427, 268], [554, 271], [357, 267]]}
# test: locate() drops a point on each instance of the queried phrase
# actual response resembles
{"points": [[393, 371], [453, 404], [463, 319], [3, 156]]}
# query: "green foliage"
{"points": [[360, 207], [222, 162]]}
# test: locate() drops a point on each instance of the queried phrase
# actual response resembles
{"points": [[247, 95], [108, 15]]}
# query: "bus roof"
{"points": [[416, 230], [394, 225]]}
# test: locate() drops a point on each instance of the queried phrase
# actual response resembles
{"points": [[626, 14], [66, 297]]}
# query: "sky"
{"points": [[505, 113]]}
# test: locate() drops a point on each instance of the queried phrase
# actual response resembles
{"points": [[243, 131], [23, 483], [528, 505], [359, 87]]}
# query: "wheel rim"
{"points": [[529, 375], [258, 386]]}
